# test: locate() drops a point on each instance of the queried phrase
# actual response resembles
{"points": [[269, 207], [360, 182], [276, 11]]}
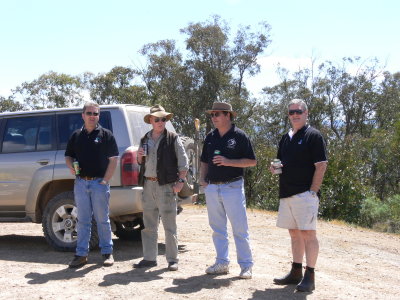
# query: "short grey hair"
{"points": [[298, 101], [90, 104]]}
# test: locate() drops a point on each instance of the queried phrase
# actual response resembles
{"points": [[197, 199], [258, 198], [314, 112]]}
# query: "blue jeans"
{"points": [[92, 199], [227, 201]]}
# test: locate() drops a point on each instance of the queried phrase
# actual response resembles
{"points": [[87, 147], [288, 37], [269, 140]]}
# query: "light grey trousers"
{"points": [[159, 201]]}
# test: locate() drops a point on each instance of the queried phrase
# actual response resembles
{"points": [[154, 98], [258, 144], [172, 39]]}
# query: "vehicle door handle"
{"points": [[43, 162]]}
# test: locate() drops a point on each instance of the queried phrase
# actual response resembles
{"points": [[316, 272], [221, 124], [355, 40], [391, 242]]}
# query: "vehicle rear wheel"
{"points": [[129, 230], [188, 188], [59, 223]]}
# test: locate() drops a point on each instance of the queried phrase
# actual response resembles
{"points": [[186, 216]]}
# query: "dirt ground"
{"points": [[353, 263]]}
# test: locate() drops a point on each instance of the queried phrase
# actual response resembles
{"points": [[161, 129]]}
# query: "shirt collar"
{"points": [[304, 128], [98, 127], [232, 129]]}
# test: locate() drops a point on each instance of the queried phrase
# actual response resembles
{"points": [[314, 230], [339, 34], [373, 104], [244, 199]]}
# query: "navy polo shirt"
{"points": [[92, 150], [233, 145], [298, 156]]}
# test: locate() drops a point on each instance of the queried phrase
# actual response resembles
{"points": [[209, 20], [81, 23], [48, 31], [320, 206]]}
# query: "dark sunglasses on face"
{"points": [[89, 113], [217, 114], [160, 119], [295, 111]]}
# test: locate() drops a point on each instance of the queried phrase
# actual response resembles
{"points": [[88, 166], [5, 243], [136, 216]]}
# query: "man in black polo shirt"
{"points": [[302, 152], [226, 152], [96, 151]]}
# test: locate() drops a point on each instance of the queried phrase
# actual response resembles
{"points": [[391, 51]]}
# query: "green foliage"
{"points": [[373, 211], [343, 189], [51, 90], [212, 69], [9, 104], [381, 215], [116, 86]]}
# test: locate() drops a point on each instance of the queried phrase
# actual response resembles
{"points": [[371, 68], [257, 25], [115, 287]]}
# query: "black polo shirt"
{"points": [[92, 150], [233, 145], [298, 156]]}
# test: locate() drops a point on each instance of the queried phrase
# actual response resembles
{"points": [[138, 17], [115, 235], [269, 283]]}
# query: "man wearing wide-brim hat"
{"points": [[226, 152], [163, 167]]}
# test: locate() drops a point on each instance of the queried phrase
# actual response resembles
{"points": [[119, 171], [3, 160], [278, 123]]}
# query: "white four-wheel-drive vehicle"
{"points": [[36, 186]]}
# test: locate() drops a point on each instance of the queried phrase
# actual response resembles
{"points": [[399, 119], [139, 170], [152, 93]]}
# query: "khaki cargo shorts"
{"points": [[299, 211]]}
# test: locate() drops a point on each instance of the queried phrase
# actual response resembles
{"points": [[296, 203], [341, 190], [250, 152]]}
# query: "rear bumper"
{"points": [[125, 201]]}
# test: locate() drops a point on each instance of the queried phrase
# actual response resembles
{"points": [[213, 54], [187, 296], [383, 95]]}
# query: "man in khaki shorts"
{"points": [[302, 152]]}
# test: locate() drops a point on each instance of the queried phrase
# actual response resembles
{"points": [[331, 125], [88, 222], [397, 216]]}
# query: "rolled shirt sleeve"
{"points": [[183, 161]]}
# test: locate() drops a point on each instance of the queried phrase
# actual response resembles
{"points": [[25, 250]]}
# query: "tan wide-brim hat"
{"points": [[221, 106], [159, 112]]}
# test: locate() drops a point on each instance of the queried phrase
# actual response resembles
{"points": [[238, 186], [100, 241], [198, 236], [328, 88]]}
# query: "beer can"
{"points": [[276, 165], [145, 149], [75, 164]]}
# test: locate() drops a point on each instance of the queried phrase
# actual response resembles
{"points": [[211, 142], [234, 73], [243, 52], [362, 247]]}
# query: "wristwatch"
{"points": [[104, 182], [181, 180], [314, 194]]}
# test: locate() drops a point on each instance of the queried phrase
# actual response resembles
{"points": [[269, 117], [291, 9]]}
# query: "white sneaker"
{"points": [[246, 273], [218, 269]]}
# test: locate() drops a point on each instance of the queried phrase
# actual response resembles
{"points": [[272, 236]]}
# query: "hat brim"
{"points": [[229, 111], [158, 114]]}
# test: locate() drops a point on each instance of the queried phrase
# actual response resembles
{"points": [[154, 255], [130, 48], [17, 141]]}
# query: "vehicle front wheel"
{"points": [[59, 223]]}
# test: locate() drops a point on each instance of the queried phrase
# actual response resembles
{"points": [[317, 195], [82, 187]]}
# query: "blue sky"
{"points": [[38, 36]]}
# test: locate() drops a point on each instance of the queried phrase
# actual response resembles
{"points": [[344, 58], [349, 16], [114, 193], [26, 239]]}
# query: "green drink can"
{"points": [[75, 164]]}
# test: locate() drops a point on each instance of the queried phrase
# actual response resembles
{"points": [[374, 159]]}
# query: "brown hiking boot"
{"points": [[293, 277], [78, 261], [308, 282]]}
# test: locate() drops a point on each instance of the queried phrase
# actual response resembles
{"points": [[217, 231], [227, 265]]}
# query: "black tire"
{"points": [[59, 223], [190, 148], [130, 231]]}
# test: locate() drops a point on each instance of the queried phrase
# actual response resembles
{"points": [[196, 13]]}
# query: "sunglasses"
{"points": [[160, 119], [217, 114], [89, 113], [295, 111]]}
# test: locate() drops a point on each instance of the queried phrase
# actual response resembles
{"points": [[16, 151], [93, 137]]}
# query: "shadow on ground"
{"points": [[280, 292]]}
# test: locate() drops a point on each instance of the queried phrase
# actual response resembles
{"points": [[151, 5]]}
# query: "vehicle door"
{"points": [[26, 160]]}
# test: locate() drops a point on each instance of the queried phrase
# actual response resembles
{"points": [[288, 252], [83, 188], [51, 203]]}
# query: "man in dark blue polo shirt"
{"points": [[226, 152], [96, 151], [302, 152]]}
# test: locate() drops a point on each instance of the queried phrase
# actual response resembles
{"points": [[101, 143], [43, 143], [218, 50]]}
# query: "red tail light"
{"points": [[129, 168]]}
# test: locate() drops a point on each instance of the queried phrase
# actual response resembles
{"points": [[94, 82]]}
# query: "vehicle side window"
{"points": [[68, 123], [27, 134]]}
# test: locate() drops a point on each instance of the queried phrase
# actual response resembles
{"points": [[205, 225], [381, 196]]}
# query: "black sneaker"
{"points": [[145, 264], [108, 260], [78, 261]]}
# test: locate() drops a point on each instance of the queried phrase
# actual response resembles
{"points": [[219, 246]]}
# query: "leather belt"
{"points": [[88, 178], [155, 179], [225, 182]]}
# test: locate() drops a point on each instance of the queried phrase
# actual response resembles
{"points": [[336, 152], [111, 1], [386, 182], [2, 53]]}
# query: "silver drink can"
{"points": [[145, 149], [75, 164], [276, 165]]}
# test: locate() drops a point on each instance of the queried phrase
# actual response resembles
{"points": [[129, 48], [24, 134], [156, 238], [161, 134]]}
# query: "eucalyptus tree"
{"points": [[51, 90], [9, 104], [211, 69], [115, 86]]}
